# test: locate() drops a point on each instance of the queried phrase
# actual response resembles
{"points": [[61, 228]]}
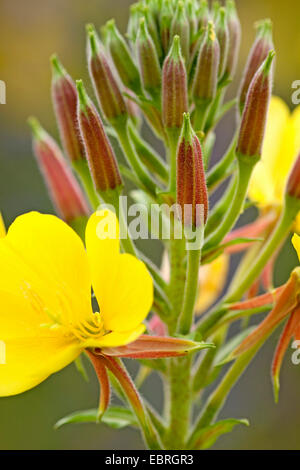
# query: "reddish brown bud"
{"points": [[148, 61], [262, 46], [293, 184], [234, 30], [223, 39], [206, 74], [191, 184], [181, 27], [166, 17], [254, 116], [174, 87], [63, 187], [100, 155], [64, 98], [106, 86]]}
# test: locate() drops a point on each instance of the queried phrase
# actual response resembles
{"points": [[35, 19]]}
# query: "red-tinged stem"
{"points": [[259, 301], [100, 369], [118, 370], [252, 230], [282, 346]]}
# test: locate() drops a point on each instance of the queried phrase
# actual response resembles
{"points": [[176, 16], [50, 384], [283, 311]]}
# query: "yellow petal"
{"points": [[31, 360], [122, 284], [116, 339], [2, 227], [269, 176], [296, 243], [44, 261], [212, 279], [30, 352]]}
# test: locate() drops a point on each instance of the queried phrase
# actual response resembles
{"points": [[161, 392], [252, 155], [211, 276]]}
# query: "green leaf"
{"points": [[115, 417], [231, 345], [206, 437]]}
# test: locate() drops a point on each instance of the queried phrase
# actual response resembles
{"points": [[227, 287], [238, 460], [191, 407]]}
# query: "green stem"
{"points": [[217, 213], [217, 399], [148, 156], [201, 112], [191, 291], [134, 161], [219, 172], [82, 169], [177, 280], [244, 174], [280, 232], [180, 403], [291, 209]]}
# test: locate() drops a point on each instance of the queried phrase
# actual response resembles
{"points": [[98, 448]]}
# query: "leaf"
{"points": [[231, 345], [206, 437], [115, 417]]}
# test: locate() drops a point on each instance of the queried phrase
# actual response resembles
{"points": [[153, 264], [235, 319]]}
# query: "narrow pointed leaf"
{"points": [[115, 417], [206, 437]]}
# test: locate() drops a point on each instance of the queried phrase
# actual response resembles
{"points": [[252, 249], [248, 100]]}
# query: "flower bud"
{"points": [[100, 155], [262, 46], [254, 116], [222, 34], [152, 21], [166, 17], [148, 61], [234, 30], [136, 13], [106, 87], [180, 26], [191, 184], [192, 19], [64, 98], [203, 14], [293, 183], [174, 87], [64, 189], [122, 57], [206, 73]]}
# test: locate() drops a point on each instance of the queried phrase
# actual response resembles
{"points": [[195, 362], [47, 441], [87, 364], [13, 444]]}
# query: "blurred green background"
{"points": [[30, 31]]}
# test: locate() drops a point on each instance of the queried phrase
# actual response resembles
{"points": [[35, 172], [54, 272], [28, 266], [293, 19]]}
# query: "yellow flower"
{"points": [[46, 316], [280, 149], [2, 227]]}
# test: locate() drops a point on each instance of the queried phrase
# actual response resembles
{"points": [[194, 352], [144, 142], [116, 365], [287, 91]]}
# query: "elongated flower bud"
{"points": [[174, 87], [180, 26], [100, 155], [223, 38], [262, 46], [191, 184], [203, 14], [166, 17], [122, 57], [148, 61], [206, 74], [106, 87], [192, 19], [234, 30], [254, 116], [136, 13], [293, 183], [64, 98], [64, 189]]}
